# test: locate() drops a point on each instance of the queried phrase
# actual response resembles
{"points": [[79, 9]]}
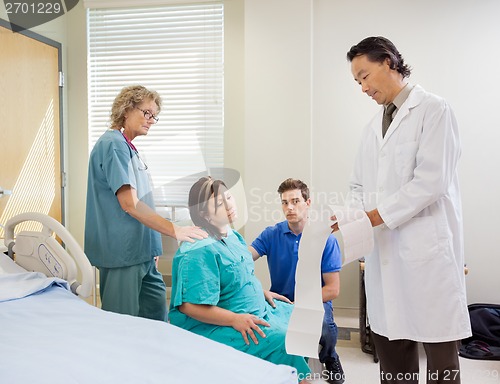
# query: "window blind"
{"points": [[176, 50]]}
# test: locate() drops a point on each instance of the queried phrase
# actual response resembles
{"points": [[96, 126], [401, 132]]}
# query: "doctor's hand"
{"points": [[335, 225], [375, 217], [247, 325], [271, 296]]}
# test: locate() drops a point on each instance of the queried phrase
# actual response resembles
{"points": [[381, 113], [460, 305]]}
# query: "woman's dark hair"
{"points": [[377, 49], [199, 195]]}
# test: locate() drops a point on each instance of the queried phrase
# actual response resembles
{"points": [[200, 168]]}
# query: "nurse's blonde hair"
{"points": [[129, 98]]}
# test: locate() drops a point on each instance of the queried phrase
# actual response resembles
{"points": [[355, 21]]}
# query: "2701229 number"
{"points": [[33, 9]]}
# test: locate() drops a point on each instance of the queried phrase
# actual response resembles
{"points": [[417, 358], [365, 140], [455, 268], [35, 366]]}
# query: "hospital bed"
{"points": [[48, 334]]}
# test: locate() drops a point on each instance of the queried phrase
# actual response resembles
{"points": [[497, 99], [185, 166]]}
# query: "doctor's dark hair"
{"points": [[129, 98], [377, 49], [199, 196], [291, 184]]}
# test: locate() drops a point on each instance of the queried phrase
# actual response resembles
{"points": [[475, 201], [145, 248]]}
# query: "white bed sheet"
{"points": [[51, 336]]}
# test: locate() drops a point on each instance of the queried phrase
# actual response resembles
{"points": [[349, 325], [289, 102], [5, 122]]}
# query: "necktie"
{"points": [[387, 118]]}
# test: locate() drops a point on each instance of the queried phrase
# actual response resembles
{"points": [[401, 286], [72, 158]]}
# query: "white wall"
{"points": [[305, 113]]}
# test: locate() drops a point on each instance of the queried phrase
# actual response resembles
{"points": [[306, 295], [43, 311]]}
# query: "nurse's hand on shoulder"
{"points": [[189, 233]]}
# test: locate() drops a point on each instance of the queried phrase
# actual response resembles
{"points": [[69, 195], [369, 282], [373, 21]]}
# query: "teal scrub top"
{"points": [[217, 273], [221, 273], [113, 238]]}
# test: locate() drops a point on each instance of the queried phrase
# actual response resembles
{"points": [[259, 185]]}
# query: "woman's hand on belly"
{"points": [[248, 325]]}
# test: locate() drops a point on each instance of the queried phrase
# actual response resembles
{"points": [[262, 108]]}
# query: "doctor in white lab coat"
{"points": [[407, 182]]}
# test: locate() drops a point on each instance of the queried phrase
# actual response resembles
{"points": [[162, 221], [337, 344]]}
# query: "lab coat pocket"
{"points": [[418, 239], [405, 158]]}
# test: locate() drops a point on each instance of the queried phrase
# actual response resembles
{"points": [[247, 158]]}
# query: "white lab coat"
{"points": [[415, 281]]}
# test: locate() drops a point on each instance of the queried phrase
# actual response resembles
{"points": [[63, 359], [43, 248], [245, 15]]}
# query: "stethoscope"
{"points": [[142, 165]]}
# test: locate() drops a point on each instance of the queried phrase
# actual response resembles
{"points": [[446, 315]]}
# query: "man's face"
{"points": [[377, 80], [294, 206]]}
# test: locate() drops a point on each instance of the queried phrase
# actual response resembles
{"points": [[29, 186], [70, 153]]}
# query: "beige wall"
{"points": [[234, 95], [77, 138]]}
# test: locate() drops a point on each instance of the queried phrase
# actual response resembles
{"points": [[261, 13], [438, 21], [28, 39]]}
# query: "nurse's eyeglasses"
{"points": [[149, 115]]}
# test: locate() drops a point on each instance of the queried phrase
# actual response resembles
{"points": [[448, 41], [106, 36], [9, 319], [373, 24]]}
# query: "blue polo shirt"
{"points": [[281, 246]]}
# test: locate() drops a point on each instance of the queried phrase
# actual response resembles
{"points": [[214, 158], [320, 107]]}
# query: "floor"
{"points": [[360, 368]]}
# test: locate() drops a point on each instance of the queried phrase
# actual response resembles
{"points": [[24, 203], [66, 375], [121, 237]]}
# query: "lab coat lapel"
{"points": [[377, 128], [414, 98], [403, 111]]}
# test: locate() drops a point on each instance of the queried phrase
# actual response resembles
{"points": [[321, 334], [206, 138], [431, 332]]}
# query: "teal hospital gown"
{"points": [[221, 273]]}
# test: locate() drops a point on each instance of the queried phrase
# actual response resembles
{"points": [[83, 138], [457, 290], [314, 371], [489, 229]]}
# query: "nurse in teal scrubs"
{"points": [[215, 292], [122, 230]]}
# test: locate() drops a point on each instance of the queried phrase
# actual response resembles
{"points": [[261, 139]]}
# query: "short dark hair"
{"points": [[291, 184], [199, 194], [377, 49]]}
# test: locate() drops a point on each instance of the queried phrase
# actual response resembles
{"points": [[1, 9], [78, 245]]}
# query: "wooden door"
{"points": [[30, 149]]}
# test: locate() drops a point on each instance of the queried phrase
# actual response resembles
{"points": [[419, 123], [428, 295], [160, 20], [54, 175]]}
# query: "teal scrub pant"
{"points": [[137, 290]]}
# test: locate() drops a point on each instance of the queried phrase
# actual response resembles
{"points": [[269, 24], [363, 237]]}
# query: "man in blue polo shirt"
{"points": [[280, 243]]}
